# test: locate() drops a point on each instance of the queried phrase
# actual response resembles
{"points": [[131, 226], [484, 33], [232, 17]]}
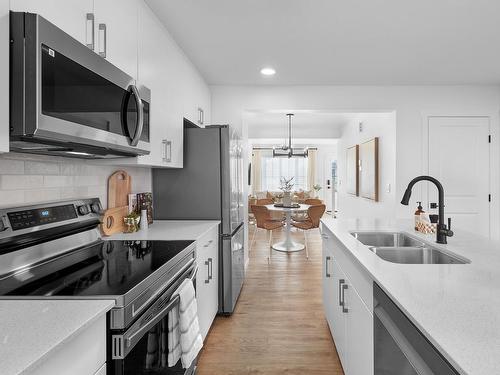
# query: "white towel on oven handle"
{"points": [[184, 338]]}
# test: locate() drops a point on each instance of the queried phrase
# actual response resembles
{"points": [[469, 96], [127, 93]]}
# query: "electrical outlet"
{"points": [[389, 187]]}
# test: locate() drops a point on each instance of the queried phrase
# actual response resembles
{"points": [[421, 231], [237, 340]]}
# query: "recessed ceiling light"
{"points": [[267, 71]]}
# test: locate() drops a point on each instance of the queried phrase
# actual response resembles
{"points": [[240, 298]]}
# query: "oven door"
{"points": [[143, 348], [73, 95]]}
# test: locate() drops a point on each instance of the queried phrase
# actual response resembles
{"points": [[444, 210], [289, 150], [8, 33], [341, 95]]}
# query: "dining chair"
{"points": [[313, 201], [251, 216], [275, 215], [264, 201], [265, 221], [314, 214]]}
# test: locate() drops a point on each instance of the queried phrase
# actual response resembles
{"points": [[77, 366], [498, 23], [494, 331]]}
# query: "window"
{"points": [[274, 168]]}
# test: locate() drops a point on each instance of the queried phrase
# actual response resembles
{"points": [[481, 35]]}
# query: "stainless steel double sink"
{"points": [[399, 247]]}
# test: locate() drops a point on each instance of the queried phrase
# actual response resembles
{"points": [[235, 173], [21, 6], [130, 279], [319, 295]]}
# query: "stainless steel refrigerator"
{"points": [[209, 187]]}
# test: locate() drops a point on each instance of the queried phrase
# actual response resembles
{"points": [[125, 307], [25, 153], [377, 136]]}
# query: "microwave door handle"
{"points": [[140, 116]]}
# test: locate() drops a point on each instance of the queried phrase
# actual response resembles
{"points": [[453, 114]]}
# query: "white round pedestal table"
{"points": [[288, 246]]}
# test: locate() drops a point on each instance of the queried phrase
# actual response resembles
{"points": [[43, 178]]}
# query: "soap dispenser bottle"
{"points": [[418, 212]]}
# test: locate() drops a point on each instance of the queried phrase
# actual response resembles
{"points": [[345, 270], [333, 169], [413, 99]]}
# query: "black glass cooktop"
{"points": [[104, 268]]}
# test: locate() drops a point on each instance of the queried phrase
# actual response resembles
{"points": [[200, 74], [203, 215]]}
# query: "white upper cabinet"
{"points": [[68, 15], [129, 35], [116, 25], [196, 99], [108, 27], [4, 76]]}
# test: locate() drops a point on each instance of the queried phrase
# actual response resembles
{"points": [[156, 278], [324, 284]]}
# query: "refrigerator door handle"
{"points": [[226, 236]]}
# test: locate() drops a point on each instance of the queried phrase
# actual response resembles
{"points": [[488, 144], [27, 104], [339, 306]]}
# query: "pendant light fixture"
{"points": [[287, 150]]}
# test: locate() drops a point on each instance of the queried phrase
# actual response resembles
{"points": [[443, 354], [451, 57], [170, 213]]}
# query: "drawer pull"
{"points": [[327, 273], [344, 309], [341, 281]]}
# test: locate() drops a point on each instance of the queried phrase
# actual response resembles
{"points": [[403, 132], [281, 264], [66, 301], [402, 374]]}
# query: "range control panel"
{"points": [[22, 220], [34, 217]]}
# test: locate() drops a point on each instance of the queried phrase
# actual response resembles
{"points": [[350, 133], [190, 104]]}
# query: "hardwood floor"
{"points": [[279, 326]]}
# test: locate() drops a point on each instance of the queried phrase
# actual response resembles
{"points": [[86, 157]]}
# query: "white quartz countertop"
{"points": [[456, 306], [31, 329], [170, 230]]}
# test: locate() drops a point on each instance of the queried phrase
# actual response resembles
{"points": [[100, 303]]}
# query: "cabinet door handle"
{"points": [[344, 309], [167, 151], [341, 281], [102, 30], [211, 274], [207, 263], [90, 31], [201, 116], [327, 272]]}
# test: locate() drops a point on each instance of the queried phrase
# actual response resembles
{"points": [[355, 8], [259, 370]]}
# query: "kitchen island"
{"points": [[456, 306]]}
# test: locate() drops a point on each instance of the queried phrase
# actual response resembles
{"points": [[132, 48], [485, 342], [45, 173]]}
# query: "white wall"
{"points": [[28, 179], [383, 126], [410, 103]]}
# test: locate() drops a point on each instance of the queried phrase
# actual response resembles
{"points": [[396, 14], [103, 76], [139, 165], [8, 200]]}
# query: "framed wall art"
{"points": [[368, 170], [352, 178]]}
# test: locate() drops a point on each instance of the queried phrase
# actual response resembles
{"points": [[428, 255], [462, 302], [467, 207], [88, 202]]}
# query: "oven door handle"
{"points": [[172, 303], [194, 273], [123, 344]]}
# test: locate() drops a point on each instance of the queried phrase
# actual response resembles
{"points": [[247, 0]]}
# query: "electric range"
{"points": [[56, 251]]}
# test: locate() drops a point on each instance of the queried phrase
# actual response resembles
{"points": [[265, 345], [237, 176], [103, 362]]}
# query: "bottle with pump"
{"points": [[418, 212]]}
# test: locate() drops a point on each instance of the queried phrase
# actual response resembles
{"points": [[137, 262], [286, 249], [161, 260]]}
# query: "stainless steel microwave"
{"points": [[66, 100]]}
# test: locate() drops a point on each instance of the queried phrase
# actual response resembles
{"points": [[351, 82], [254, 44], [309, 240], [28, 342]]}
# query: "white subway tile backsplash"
{"points": [[89, 180], [41, 195], [43, 168], [10, 198], [8, 166], [75, 192], [14, 182], [27, 179], [58, 181]]}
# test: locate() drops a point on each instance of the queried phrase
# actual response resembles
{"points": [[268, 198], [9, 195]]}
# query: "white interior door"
{"points": [[459, 157]]}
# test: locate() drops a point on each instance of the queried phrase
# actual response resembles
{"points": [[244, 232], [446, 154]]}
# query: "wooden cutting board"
{"points": [[112, 221], [119, 185]]}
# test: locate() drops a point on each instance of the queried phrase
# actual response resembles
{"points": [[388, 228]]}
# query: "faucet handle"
{"points": [[449, 232]]}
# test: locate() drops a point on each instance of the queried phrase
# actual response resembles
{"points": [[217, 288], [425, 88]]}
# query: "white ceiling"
{"points": [[338, 41], [305, 124]]}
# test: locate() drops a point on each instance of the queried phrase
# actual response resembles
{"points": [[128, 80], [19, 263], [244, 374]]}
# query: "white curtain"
{"points": [[311, 169], [256, 171]]}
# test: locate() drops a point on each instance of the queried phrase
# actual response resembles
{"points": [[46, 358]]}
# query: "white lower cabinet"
{"points": [[101, 371], [339, 316], [359, 333], [349, 318], [207, 280], [328, 291], [84, 354]]}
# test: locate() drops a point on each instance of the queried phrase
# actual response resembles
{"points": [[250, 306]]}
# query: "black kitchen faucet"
{"points": [[442, 231]]}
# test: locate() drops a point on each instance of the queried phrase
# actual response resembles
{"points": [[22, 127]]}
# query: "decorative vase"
{"points": [[287, 199]]}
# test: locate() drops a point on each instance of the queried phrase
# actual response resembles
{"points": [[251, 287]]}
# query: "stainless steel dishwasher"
{"points": [[400, 348]]}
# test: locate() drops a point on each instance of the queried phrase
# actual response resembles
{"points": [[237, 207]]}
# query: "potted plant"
{"points": [[317, 188], [286, 187]]}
